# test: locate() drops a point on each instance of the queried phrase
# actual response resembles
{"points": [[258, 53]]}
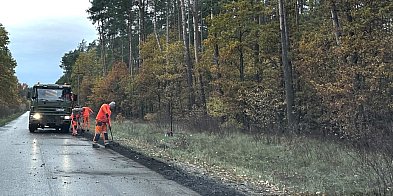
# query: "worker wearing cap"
{"points": [[103, 121], [86, 111]]}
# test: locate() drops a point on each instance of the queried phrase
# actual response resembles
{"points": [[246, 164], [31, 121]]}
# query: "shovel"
{"points": [[110, 130]]}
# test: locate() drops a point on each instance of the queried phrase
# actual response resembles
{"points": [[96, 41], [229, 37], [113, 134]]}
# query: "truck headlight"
{"points": [[37, 116], [67, 117]]}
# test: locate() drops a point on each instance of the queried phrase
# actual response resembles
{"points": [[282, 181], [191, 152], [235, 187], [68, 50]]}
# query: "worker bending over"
{"points": [[75, 120], [103, 122]]}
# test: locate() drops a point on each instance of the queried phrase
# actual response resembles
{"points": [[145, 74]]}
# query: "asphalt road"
{"points": [[51, 163]]}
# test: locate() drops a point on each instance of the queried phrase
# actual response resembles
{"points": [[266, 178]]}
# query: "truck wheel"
{"points": [[65, 128], [32, 128]]}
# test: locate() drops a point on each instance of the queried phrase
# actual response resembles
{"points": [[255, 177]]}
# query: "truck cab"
{"points": [[51, 106]]}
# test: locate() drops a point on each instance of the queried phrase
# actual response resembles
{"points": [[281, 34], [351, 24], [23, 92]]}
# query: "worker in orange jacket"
{"points": [[86, 111], [74, 124], [103, 122], [75, 120]]}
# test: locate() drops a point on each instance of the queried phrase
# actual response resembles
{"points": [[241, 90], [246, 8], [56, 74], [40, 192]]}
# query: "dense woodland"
{"points": [[301, 66], [11, 91]]}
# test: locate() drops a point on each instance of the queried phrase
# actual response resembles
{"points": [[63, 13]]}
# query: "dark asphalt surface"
{"points": [[51, 163]]}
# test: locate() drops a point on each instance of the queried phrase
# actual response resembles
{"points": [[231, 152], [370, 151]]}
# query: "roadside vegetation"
{"points": [[4, 120], [281, 163], [12, 93]]}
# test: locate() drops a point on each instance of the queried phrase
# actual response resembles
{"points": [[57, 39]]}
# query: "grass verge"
{"points": [[5, 120], [284, 164]]}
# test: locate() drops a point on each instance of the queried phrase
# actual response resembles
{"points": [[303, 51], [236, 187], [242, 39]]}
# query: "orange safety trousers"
{"points": [[101, 130], [101, 127], [74, 124], [86, 122], [86, 117]]}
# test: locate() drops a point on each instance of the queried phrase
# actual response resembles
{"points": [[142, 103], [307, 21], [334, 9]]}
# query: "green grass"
{"points": [[294, 164], [5, 120]]}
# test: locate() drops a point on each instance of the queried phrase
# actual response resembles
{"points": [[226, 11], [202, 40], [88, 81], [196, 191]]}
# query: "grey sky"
{"points": [[41, 32]]}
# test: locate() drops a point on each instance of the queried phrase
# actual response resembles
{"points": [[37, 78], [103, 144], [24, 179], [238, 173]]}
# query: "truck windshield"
{"points": [[53, 94]]}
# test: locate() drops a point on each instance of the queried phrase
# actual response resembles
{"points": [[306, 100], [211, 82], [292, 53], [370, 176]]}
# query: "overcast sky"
{"points": [[41, 32]]}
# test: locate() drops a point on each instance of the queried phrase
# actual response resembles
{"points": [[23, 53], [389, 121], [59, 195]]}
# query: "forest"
{"points": [[298, 66], [11, 92], [258, 90]]}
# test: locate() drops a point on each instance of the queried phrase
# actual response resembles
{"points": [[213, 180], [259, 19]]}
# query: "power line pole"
{"points": [[78, 89]]}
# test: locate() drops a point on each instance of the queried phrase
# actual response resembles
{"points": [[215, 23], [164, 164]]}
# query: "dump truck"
{"points": [[51, 106]]}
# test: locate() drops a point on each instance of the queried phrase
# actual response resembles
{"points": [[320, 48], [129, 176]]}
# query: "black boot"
{"points": [[95, 145]]}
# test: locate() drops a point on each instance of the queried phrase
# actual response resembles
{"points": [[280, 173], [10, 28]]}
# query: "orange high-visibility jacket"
{"points": [[73, 119], [101, 115], [87, 111]]}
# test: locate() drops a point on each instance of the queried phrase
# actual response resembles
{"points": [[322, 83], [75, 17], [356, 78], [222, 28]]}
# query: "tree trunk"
{"points": [[141, 23], [216, 57], [187, 58], [217, 63], [179, 19], [289, 92], [336, 24], [241, 58], [301, 6], [189, 28], [102, 43], [155, 28], [197, 41], [297, 14], [258, 75], [197, 50], [130, 57], [167, 29]]}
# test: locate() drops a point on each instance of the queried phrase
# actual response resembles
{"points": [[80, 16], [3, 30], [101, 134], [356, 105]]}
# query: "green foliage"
{"points": [[350, 82], [87, 68], [111, 87], [342, 85], [10, 100], [216, 107], [161, 80], [237, 32], [5, 120], [68, 61], [263, 107]]}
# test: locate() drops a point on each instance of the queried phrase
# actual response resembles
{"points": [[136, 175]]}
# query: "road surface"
{"points": [[50, 163]]}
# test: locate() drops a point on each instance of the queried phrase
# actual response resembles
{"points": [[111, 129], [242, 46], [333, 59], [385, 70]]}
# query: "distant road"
{"points": [[49, 163]]}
